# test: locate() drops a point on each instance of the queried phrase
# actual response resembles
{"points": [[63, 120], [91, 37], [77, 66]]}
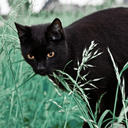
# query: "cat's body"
{"points": [[50, 46]]}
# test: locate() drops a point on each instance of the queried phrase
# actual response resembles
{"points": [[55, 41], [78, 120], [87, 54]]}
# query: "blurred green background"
{"points": [[28, 100]]}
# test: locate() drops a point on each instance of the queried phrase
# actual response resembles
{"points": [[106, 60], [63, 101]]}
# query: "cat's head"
{"points": [[44, 46]]}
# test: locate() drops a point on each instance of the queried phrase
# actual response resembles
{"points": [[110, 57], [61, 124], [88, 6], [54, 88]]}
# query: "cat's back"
{"points": [[111, 15], [109, 25]]}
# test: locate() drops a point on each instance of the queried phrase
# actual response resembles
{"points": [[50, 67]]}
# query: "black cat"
{"points": [[48, 47]]}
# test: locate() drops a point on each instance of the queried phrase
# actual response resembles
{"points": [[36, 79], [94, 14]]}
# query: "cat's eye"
{"points": [[30, 56], [50, 54]]}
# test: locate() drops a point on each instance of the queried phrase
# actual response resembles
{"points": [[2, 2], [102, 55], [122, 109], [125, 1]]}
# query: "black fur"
{"points": [[108, 28]]}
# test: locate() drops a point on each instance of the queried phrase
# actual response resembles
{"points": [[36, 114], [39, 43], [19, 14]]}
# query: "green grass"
{"points": [[31, 101], [26, 99]]}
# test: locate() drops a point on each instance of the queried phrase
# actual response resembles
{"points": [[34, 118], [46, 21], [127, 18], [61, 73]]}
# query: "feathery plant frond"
{"points": [[121, 86], [87, 56], [78, 86]]}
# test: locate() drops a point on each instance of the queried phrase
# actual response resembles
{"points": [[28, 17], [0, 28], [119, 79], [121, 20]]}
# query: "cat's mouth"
{"points": [[43, 73]]}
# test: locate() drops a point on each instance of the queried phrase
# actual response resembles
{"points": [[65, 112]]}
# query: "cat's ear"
{"points": [[22, 30], [55, 30]]}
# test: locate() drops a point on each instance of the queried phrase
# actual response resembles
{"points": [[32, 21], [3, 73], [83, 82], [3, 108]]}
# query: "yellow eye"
{"points": [[51, 54], [30, 56]]}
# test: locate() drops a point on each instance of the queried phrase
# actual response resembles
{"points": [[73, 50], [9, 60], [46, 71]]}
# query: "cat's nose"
{"points": [[41, 69]]}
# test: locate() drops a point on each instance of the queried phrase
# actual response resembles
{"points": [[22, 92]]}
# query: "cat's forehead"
{"points": [[38, 32], [38, 38]]}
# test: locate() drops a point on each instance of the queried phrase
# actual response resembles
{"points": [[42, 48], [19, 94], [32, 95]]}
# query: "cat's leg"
{"points": [[107, 103], [92, 101]]}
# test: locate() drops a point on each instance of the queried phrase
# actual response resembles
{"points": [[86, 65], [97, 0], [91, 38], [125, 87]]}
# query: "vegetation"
{"points": [[31, 101]]}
